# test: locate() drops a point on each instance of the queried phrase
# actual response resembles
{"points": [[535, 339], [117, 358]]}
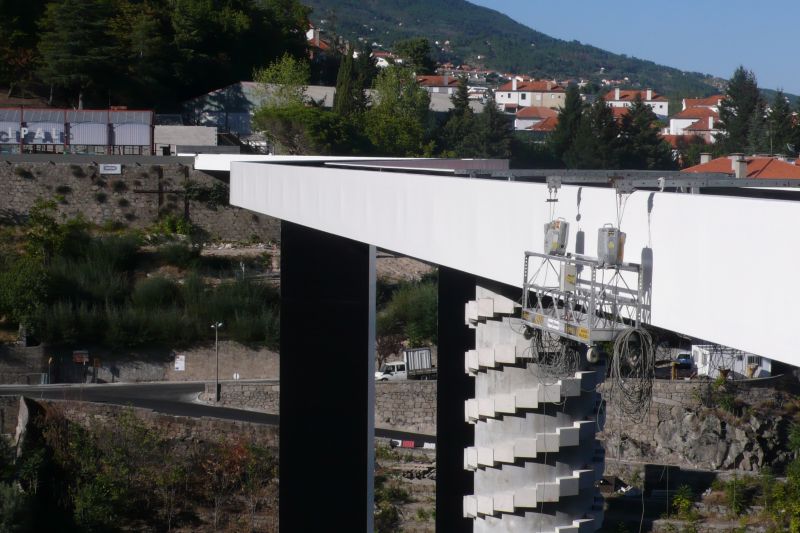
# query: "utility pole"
{"points": [[215, 326]]}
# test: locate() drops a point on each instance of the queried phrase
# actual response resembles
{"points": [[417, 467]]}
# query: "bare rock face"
{"points": [[709, 440]]}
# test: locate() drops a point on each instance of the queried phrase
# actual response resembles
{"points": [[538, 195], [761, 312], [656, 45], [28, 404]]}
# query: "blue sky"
{"points": [[709, 36]]}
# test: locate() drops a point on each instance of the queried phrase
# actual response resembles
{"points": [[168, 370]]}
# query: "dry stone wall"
{"points": [[169, 426], [691, 425], [136, 198]]}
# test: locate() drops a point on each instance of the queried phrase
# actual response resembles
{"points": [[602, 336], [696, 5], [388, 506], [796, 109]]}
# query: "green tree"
{"points": [[416, 54], [75, 46], [18, 37], [397, 124], [781, 123], [737, 109], [596, 143], [144, 49], [758, 134], [642, 145], [459, 124], [284, 82], [492, 133], [349, 98], [569, 120]]}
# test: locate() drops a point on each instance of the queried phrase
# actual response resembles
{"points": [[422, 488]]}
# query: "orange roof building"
{"points": [[757, 167], [530, 93], [624, 98]]}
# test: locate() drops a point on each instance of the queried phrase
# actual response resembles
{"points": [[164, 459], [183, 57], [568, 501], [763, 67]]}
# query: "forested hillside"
{"points": [[150, 53], [501, 42]]}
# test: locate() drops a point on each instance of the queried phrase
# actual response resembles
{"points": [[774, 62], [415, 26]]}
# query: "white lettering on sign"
{"points": [[108, 168]]}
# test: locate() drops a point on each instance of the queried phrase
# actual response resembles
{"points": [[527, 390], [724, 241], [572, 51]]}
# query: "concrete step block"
{"points": [[527, 398], [471, 312], [505, 353], [525, 498], [485, 505], [471, 410], [504, 502], [486, 407], [485, 456], [485, 307], [486, 357], [506, 452], [524, 449], [505, 403], [471, 361], [471, 458], [568, 436], [470, 507]]}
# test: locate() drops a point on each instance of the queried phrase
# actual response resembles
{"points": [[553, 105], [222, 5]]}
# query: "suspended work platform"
{"points": [[580, 298]]}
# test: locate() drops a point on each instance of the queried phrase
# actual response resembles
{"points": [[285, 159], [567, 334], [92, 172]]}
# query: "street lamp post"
{"points": [[215, 326]]}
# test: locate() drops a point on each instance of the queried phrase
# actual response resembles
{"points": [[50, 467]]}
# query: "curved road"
{"points": [[172, 398]]}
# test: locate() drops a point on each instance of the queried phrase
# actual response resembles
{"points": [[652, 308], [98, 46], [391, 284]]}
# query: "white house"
{"points": [[527, 117], [624, 98], [516, 94], [438, 84], [710, 359]]}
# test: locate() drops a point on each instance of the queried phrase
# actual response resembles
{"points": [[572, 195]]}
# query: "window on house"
{"points": [[754, 360], [524, 96], [509, 95]]}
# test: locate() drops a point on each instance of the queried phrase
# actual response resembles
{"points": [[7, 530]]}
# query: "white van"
{"points": [[393, 371]]}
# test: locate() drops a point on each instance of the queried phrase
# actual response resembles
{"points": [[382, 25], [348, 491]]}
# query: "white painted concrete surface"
{"points": [[723, 266]]}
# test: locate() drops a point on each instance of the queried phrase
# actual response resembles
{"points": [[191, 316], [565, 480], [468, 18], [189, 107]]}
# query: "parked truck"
{"points": [[416, 364]]}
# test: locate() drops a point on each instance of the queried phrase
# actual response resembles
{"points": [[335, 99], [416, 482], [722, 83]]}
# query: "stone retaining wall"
{"points": [[403, 405], [688, 425], [169, 426], [136, 198]]}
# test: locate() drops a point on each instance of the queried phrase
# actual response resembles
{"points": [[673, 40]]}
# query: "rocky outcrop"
{"points": [[709, 440]]}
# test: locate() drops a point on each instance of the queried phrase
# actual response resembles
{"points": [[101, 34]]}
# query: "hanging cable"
{"points": [[632, 373]]}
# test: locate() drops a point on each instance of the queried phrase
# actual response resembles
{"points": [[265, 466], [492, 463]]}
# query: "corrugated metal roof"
{"points": [[81, 115], [10, 115], [42, 115], [131, 117]]}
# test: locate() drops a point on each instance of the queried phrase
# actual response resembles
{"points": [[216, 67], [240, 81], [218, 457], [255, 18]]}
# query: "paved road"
{"points": [[172, 398]]}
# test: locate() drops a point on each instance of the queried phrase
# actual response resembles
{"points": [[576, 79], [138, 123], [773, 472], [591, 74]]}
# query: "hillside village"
{"points": [[126, 259]]}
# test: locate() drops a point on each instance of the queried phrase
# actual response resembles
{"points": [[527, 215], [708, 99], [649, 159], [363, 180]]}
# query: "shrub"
{"points": [[412, 311], [100, 197], [23, 173], [77, 171], [63, 189], [683, 503], [123, 202], [178, 254], [155, 293], [119, 186]]}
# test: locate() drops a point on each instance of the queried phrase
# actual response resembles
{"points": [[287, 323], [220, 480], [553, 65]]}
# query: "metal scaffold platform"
{"points": [[580, 298]]}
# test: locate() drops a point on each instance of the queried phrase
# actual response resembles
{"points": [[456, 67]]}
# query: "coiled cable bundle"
{"points": [[632, 373], [554, 356]]}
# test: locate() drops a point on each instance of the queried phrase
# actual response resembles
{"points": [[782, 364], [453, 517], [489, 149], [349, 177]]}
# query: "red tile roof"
{"points": [[620, 112], [757, 167], [672, 139], [703, 102], [536, 112], [701, 125], [696, 112], [547, 125], [437, 81], [628, 96], [533, 87]]}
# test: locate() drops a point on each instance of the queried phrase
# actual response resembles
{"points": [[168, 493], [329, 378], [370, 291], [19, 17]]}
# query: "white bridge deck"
{"points": [[723, 266]]}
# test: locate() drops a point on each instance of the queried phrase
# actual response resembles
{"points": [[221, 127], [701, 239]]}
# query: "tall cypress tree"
{"points": [[642, 145], [758, 138], [491, 136], [459, 125], [737, 108], [780, 124], [346, 101], [569, 120], [596, 144], [75, 46]]}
